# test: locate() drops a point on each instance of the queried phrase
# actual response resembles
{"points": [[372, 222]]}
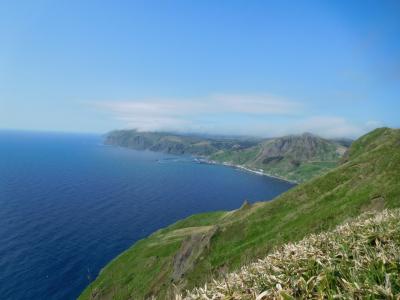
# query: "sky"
{"points": [[263, 68]]}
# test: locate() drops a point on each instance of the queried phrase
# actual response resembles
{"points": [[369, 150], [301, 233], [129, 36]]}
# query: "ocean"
{"points": [[69, 204]]}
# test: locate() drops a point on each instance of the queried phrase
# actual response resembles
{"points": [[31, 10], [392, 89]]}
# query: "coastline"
{"points": [[241, 167], [205, 160]]}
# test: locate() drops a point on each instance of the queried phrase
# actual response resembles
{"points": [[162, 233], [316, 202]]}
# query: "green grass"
{"points": [[368, 180], [143, 267], [237, 157], [357, 260], [304, 172], [295, 158]]}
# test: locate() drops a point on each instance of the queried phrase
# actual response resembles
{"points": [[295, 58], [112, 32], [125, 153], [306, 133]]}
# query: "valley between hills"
{"points": [[286, 248], [294, 158]]}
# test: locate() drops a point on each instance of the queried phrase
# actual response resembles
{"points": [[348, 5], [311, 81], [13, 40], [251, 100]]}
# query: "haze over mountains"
{"points": [[200, 248], [223, 103], [293, 157]]}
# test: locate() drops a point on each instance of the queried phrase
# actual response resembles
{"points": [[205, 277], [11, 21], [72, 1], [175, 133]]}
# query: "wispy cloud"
{"points": [[187, 114], [255, 104], [262, 115], [324, 126], [329, 126]]}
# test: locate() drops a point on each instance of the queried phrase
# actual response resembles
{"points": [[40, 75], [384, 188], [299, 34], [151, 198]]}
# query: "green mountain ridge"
{"points": [[202, 247], [295, 158]]}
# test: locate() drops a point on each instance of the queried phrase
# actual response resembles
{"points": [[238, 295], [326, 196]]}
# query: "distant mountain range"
{"points": [[294, 157], [355, 261]]}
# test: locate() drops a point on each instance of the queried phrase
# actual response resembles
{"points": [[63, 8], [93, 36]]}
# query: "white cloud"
{"points": [[261, 115], [256, 104], [331, 127], [326, 126], [186, 115]]}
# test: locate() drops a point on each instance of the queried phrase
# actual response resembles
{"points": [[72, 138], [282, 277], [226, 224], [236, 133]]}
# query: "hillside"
{"points": [[296, 157], [174, 143], [202, 247], [358, 259]]}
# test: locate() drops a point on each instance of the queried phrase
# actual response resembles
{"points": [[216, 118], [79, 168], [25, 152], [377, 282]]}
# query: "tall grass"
{"points": [[357, 260]]}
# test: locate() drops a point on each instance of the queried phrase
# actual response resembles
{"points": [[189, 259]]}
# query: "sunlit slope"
{"points": [[293, 157], [357, 260], [195, 250]]}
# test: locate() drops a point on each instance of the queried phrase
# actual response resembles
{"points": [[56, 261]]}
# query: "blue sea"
{"points": [[69, 204]]}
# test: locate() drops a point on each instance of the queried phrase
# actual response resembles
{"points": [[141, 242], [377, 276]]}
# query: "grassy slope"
{"points": [[295, 158], [368, 180], [146, 266], [174, 143], [292, 164], [357, 260]]}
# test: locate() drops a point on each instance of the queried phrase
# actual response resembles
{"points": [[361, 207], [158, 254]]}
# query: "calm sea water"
{"points": [[69, 204]]}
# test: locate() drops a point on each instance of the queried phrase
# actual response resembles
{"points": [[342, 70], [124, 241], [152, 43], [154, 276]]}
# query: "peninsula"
{"points": [[295, 157], [210, 246]]}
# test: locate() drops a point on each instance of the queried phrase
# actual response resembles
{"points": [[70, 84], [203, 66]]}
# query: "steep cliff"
{"points": [[368, 180]]}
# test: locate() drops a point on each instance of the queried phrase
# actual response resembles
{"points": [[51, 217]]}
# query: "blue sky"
{"points": [[233, 67]]}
